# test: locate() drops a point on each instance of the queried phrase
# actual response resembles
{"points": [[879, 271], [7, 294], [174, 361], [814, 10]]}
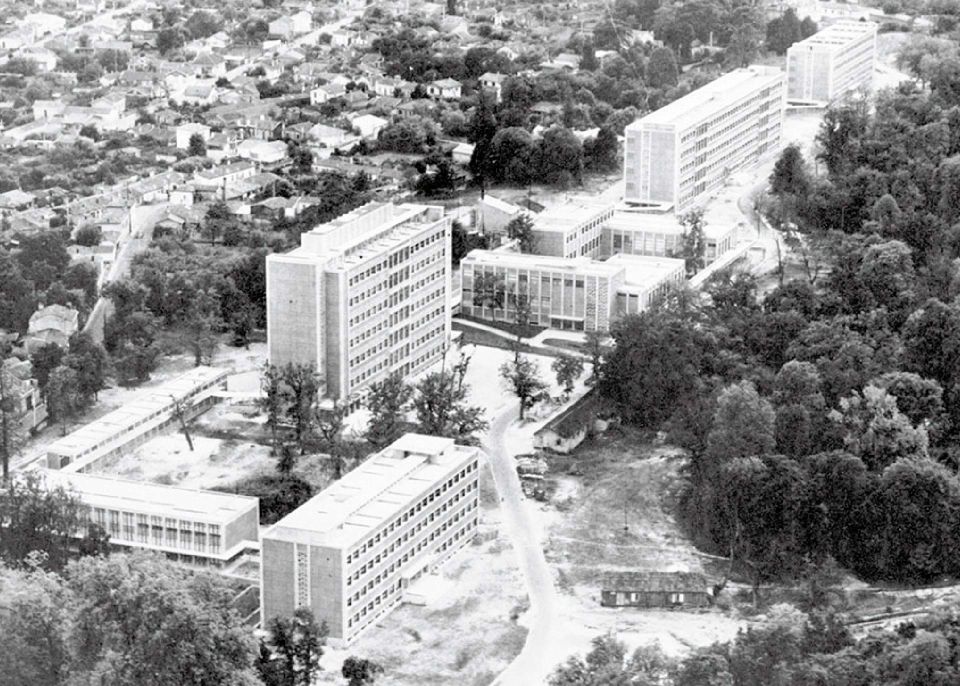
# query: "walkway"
{"points": [[531, 666]]}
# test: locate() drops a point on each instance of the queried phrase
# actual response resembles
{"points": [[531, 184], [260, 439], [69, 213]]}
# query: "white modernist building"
{"points": [[350, 552], [365, 295], [832, 63], [578, 294], [192, 526], [674, 157], [570, 230], [149, 414]]}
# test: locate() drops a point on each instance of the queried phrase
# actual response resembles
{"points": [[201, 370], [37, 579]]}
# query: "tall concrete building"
{"points": [[351, 552], [364, 295], [832, 63], [570, 230], [674, 157]]}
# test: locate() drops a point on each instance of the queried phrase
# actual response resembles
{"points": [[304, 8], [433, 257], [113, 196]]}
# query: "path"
{"points": [[532, 665]]}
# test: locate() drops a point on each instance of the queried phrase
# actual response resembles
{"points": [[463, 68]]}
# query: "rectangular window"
{"points": [[302, 575]]}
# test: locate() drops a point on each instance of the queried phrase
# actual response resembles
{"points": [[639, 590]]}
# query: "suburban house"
{"points": [[444, 89], [493, 82], [654, 589], [328, 91], [28, 404], [187, 131], [568, 429], [369, 125], [52, 324]]}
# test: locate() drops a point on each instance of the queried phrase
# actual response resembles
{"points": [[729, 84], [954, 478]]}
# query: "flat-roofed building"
{"points": [[365, 295], [832, 63], [570, 230], [660, 234], [192, 526], [578, 294], [149, 414], [676, 156], [350, 552]]}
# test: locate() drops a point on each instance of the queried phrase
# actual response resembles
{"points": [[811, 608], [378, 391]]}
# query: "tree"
{"points": [[200, 325], [89, 360], [89, 235], [216, 219], [561, 157], [743, 425], [521, 229], [360, 671], [168, 39], [197, 146], [303, 384], [790, 175], [297, 646], [784, 31], [63, 395], [273, 401], [201, 24], [12, 433], [600, 153], [568, 369], [131, 616], [387, 401], [876, 431], [596, 348], [661, 71], [694, 246], [36, 518], [523, 375], [608, 663], [43, 361], [440, 402]]}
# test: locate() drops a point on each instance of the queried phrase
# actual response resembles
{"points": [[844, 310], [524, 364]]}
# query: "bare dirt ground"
{"points": [[612, 481], [467, 634]]}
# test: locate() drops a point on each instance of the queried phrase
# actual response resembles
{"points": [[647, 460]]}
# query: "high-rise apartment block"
{"points": [[350, 552], [832, 63], [674, 157], [364, 295]]}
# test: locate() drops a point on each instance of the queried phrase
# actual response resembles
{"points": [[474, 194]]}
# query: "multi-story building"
{"points": [[151, 413], [674, 157], [660, 235], [570, 230], [350, 552], [832, 63], [365, 295], [578, 294], [192, 526]]}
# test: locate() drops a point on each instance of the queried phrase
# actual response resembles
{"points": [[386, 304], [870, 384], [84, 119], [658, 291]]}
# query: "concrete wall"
{"points": [[276, 575], [246, 527], [293, 292], [326, 589]]}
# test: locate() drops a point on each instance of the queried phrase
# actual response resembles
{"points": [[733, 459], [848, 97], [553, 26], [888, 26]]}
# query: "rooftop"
{"points": [[642, 272], [836, 36], [564, 217], [385, 484], [707, 100], [154, 499], [582, 266], [669, 582]]}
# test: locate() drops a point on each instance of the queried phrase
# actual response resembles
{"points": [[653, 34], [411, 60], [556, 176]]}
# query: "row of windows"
{"points": [[405, 516]]}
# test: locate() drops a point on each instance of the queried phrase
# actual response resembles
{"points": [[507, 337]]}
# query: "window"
{"points": [[302, 575]]}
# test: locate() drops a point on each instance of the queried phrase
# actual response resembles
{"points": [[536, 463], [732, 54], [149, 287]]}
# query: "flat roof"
{"points": [[659, 222], [707, 100], [575, 265], [643, 272], [384, 485], [144, 405], [569, 215], [837, 36], [143, 497]]}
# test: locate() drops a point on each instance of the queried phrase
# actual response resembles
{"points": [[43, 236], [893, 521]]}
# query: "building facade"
{"points": [[676, 156], [578, 294], [570, 230], [150, 414], [191, 526], [350, 552], [364, 296], [832, 63], [660, 235]]}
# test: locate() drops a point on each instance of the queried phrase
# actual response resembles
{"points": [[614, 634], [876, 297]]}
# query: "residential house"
{"points": [[368, 125], [43, 24], [462, 153], [52, 324], [444, 89], [654, 589], [567, 430], [187, 131], [46, 60], [27, 402], [16, 200], [328, 91], [292, 25], [493, 81], [211, 66], [269, 154]]}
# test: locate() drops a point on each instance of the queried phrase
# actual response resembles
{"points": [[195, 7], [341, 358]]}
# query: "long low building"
{"points": [[579, 294], [350, 552], [151, 413], [660, 235], [832, 63], [192, 526]]}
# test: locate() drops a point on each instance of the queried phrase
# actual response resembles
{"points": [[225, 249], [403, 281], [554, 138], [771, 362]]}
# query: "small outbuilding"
{"points": [[568, 429], [654, 590]]}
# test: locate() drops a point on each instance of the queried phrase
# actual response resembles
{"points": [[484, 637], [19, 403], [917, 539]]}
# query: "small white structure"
{"points": [[369, 125], [187, 131], [52, 324], [444, 89]]}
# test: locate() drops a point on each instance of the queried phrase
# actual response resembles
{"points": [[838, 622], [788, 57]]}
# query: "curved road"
{"points": [[532, 665]]}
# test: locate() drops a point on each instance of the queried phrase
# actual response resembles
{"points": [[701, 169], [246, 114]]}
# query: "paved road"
{"points": [[532, 665]]}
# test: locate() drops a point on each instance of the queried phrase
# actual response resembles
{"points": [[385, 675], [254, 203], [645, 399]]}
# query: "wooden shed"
{"points": [[654, 589]]}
